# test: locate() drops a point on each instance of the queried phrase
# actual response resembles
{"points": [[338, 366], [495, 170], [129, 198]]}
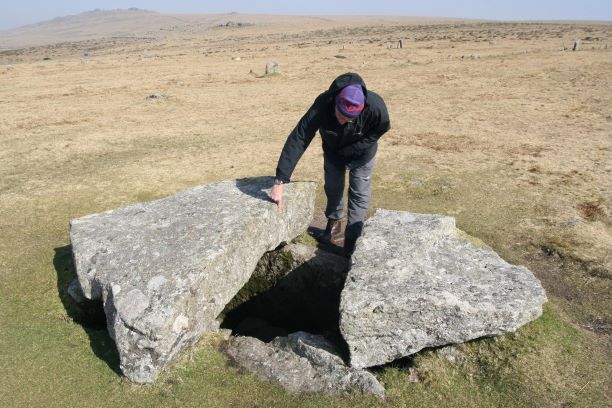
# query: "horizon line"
{"points": [[527, 20]]}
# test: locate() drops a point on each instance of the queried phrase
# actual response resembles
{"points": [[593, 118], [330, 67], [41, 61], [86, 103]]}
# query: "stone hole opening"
{"points": [[293, 288]]}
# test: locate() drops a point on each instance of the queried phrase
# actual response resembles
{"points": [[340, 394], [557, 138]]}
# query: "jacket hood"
{"points": [[345, 80]]}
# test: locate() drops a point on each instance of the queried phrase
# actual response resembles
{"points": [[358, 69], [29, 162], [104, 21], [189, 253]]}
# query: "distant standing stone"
{"points": [[576, 46], [272, 68], [416, 283]]}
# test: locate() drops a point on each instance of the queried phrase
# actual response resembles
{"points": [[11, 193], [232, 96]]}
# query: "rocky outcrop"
{"points": [[165, 269], [302, 362], [419, 282]]}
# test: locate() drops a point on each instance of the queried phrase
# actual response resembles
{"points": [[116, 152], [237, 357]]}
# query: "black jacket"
{"points": [[353, 143]]}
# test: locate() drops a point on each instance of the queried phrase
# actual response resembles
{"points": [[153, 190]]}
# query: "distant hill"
{"points": [[135, 22], [131, 22], [89, 25]]}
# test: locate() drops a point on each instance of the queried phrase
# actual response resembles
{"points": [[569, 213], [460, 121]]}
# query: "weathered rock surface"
{"points": [[302, 362], [417, 283], [165, 269]]}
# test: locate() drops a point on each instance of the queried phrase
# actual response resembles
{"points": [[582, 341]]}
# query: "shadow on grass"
{"points": [[89, 314]]}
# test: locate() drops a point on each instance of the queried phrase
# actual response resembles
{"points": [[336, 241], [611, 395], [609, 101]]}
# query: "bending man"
{"points": [[350, 120]]}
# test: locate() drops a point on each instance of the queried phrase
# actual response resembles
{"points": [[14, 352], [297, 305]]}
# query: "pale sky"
{"points": [[17, 13]]}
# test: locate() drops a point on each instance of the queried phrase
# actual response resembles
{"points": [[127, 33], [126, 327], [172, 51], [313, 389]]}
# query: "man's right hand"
{"points": [[277, 195]]}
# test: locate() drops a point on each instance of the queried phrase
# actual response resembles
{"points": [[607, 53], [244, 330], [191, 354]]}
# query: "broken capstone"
{"points": [[417, 283], [302, 362], [165, 269]]}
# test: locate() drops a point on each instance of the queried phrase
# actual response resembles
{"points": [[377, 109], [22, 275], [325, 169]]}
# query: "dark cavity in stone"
{"points": [[294, 288]]}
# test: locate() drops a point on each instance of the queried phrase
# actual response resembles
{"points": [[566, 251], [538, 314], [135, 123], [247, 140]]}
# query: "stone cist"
{"points": [[350, 120]]}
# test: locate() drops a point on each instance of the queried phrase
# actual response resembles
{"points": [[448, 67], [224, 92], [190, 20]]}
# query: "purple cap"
{"points": [[351, 101]]}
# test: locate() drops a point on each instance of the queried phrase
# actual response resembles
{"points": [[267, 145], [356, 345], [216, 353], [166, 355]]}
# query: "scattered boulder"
{"points": [[272, 68], [165, 269], [302, 362], [158, 96], [416, 282], [233, 24]]}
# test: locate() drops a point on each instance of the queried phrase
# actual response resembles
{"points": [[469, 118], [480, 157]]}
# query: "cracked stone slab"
{"points": [[302, 362], [165, 269], [417, 281]]}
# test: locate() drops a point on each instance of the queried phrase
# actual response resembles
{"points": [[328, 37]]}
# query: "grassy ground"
{"points": [[515, 142]]}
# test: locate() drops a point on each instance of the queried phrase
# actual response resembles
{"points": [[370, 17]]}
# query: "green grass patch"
{"points": [[545, 363]]}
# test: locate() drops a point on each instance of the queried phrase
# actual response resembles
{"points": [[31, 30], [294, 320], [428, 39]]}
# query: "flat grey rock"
{"points": [[418, 282], [165, 269], [302, 362]]}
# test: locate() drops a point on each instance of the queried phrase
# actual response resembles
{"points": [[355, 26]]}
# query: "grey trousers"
{"points": [[359, 194]]}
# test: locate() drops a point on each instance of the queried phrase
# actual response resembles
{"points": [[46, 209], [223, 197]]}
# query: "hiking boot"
{"points": [[349, 247], [332, 232]]}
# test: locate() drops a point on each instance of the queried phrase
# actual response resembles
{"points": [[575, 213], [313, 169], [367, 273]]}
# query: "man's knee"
{"points": [[332, 189], [360, 192]]}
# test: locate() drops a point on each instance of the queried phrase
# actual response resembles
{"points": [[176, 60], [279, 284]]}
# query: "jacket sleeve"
{"points": [[297, 142], [379, 127]]}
